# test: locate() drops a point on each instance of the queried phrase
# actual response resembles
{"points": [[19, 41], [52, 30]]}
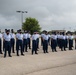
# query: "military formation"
{"points": [[20, 42]]}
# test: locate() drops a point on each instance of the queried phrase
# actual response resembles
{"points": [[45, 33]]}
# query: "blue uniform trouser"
{"points": [[61, 43], [75, 43], [12, 44], [66, 42], [7, 48], [25, 45], [3, 45], [34, 46], [37, 42], [45, 46], [29, 43], [53, 44], [70, 44], [49, 41], [58, 42], [0, 45], [19, 44], [42, 41]]}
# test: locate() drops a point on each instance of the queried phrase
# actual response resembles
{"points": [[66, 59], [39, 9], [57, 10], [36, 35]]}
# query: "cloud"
{"points": [[9, 22], [51, 14]]}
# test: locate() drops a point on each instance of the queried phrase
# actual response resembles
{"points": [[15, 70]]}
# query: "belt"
{"points": [[7, 41], [12, 38]]}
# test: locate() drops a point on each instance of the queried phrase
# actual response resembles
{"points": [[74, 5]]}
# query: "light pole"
{"points": [[21, 16]]}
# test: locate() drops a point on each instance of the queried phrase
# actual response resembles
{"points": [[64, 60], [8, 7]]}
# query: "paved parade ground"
{"points": [[57, 63]]}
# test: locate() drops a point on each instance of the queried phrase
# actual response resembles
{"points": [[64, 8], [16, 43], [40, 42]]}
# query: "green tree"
{"points": [[31, 24]]}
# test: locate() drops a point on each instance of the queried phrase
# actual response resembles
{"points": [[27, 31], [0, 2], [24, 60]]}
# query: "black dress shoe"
{"points": [[44, 52], [52, 51], [18, 55], [4, 56], [47, 52], [36, 53], [26, 51], [22, 54], [55, 50], [64, 50], [1, 53], [13, 52], [61, 50], [10, 56]]}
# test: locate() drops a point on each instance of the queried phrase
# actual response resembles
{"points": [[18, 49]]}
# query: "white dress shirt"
{"points": [[25, 36], [0, 36], [66, 37], [61, 37], [37, 35], [19, 36], [71, 37], [7, 37], [54, 37], [43, 35], [28, 35], [34, 37], [12, 35], [46, 37], [49, 35], [58, 36]]}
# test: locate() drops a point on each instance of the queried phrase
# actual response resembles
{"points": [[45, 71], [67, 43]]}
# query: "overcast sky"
{"points": [[51, 14]]}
